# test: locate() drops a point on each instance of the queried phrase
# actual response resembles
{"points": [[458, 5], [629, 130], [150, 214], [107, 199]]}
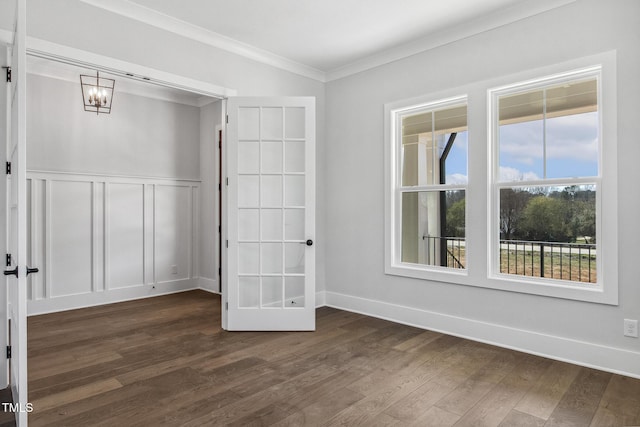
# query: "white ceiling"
{"points": [[325, 34], [330, 38]]}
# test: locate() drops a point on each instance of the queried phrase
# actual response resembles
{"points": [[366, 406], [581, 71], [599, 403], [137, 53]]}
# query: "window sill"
{"points": [[546, 288]]}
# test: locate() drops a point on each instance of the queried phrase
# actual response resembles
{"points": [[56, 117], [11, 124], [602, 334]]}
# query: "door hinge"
{"points": [[8, 69], [226, 307], [227, 181], [227, 243], [219, 271], [8, 352], [8, 260], [227, 118], [8, 168]]}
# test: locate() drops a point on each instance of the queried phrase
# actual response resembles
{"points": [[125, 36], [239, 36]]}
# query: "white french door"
{"points": [[269, 279], [16, 215]]}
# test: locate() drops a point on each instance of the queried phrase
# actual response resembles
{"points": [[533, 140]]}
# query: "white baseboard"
{"points": [[610, 359], [321, 299], [209, 285], [72, 302]]}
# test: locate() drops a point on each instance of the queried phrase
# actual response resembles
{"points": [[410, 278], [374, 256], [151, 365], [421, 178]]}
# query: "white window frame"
{"points": [[393, 193], [606, 289], [481, 203]]}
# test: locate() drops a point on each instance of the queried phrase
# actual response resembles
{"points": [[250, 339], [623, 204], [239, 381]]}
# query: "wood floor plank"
{"points": [[142, 405], [62, 413], [76, 394], [497, 404], [437, 350], [477, 384], [581, 401], [415, 343], [452, 366], [435, 416], [316, 412], [61, 364], [382, 393], [543, 398], [165, 361], [276, 393], [620, 404], [520, 419], [324, 389]]}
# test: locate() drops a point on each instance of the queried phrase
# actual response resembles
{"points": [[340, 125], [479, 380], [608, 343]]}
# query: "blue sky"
{"points": [[572, 150], [457, 160]]}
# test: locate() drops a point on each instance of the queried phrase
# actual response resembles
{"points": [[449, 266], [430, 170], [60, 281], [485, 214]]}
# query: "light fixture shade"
{"points": [[97, 93]]}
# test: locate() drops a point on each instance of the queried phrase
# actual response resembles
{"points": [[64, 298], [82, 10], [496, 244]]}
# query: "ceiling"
{"points": [[326, 39]]}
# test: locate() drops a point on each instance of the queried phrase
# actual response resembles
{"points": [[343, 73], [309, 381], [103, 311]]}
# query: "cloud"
{"points": [[457, 178], [573, 137], [513, 174]]}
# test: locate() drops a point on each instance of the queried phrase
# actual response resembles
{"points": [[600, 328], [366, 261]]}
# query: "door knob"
{"points": [[309, 242], [13, 272], [31, 270]]}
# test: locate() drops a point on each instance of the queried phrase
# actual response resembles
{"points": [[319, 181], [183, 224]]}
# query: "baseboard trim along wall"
{"points": [[321, 299], [209, 285], [73, 302], [615, 360]]}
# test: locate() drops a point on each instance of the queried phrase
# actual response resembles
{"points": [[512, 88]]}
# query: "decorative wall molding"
{"points": [[481, 24], [168, 23], [478, 25], [86, 176], [610, 359], [102, 239]]}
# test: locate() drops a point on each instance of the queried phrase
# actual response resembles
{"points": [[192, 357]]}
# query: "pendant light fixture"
{"points": [[97, 93]]}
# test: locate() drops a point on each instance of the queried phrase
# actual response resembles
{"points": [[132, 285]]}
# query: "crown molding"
{"points": [[160, 20], [441, 38]]}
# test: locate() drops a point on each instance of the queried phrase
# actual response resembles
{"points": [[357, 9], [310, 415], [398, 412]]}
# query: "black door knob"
{"points": [[13, 272], [31, 270], [309, 242]]}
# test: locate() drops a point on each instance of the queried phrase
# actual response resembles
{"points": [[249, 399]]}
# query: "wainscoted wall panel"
{"points": [[70, 238], [102, 239], [125, 226], [173, 239]]}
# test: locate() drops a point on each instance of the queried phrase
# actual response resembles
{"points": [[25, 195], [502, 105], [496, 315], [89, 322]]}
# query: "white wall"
{"points": [[587, 333], [114, 199], [141, 137]]}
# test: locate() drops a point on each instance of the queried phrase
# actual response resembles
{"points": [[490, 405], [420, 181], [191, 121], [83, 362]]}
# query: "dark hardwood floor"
{"points": [[165, 361]]}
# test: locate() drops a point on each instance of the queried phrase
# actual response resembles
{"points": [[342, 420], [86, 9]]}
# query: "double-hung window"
{"points": [[551, 189], [428, 186], [547, 145]]}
